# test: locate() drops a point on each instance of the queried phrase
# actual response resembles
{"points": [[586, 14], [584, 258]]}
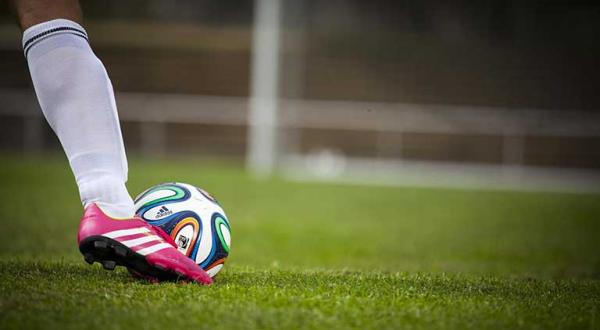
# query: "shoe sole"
{"points": [[110, 253]]}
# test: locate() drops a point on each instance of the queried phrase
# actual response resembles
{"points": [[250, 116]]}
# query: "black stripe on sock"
{"points": [[60, 28], [35, 42], [64, 29]]}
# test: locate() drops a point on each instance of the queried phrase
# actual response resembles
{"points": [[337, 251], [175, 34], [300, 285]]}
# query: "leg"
{"points": [[77, 99], [32, 12]]}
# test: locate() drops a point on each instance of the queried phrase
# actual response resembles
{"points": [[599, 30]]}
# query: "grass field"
{"points": [[308, 255]]}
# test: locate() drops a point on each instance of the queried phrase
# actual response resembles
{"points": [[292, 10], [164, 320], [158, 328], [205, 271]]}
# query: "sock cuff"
{"points": [[41, 31]]}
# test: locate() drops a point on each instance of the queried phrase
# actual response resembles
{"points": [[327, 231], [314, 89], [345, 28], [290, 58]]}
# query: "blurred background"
{"points": [[347, 110], [494, 94], [383, 164]]}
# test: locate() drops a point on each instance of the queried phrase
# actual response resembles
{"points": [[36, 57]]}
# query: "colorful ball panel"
{"points": [[193, 218]]}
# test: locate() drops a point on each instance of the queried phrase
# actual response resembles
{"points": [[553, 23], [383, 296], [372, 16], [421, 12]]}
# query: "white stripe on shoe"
{"points": [[141, 240], [154, 248], [126, 232]]}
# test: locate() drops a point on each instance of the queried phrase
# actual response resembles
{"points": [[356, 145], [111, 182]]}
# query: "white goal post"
{"points": [[262, 117]]}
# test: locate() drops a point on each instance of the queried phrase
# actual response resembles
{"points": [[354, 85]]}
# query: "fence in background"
{"points": [[325, 156]]}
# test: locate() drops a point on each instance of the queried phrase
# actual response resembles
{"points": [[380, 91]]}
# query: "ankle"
{"points": [[109, 193]]}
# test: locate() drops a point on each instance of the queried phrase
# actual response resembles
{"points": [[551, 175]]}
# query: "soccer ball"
{"points": [[193, 218]]}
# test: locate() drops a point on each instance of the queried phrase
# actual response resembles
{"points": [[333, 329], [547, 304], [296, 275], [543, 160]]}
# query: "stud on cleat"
{"points": [[89, 258], [120, 251], [109, 264], [100, 245]]}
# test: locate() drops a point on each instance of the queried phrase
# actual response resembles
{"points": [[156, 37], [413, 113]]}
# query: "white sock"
{"points": [[77, 99]]}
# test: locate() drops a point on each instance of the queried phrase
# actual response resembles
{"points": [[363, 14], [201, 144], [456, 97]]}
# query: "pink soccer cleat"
{"points": [[146, 250]]}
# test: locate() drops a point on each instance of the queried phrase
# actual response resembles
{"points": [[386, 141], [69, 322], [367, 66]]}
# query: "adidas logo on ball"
{"points": [[163, 212]]}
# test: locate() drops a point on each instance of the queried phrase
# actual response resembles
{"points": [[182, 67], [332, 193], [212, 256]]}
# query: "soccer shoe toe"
{"points": [[181, 266]]}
